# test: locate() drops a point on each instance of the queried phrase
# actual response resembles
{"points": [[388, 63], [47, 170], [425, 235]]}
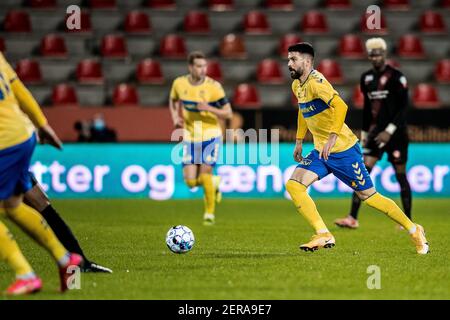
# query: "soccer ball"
{"points": [[180, 239]]}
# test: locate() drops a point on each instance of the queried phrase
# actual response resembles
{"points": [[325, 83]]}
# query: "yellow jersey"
{"points": [[15, 126], [314, 97], [199, 125]]}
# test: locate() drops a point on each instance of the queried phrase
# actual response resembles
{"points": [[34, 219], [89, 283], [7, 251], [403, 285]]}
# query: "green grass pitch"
{"points": [[251, 253]]}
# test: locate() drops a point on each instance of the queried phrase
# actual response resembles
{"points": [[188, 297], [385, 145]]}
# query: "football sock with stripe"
{"points": [[390, 208], [305, 205], [10, 252], [35, 225]]}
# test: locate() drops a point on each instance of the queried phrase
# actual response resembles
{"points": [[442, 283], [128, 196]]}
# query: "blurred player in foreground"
{"points": [[17, 142], [38, 200], [336, 150]]}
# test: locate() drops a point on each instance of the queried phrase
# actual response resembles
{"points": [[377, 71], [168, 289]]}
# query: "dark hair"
{"points": [[302, 47], [195, 55]]}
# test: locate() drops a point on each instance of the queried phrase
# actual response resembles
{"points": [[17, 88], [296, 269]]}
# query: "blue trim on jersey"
{"points": [[216, 104], [187, 103], [219, 103], [313, 107]]}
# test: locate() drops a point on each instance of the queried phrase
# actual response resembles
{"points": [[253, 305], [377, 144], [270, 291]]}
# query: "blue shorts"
{"points": [[14, 164], [348, 166], [204, 152]]}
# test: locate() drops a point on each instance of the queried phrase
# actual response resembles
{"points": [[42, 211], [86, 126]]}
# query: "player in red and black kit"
{"points": [[384, 128]]}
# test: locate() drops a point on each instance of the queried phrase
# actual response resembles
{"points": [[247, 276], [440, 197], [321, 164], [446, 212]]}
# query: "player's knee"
{"points": [[191, 183], [293, 187]]}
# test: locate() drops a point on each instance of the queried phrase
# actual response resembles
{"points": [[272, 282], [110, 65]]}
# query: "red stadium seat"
{"points": [[445, 4], [29, 71], [162, 4], [53, 45], [256, 22], [442, 71], [89, 71], [173, 46], [43, 4], [246, 97], [410, 46], [280, 4], [214, 70], [137, 22], [314, 22], [220, 5], [2, 45], [114, 46], [269, 71], [396, 4], [331, 70], [17, 21], [103, 4], [64, 95], [432, 22], [149, 71], [351, 46], [426, 96], [286, 41], [233, 47], [196, 22], [125, 95], [85, 23], [367, 21], [338, 4], [357, 97]]}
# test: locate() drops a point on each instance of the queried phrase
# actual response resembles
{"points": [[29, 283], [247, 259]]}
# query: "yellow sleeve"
{"points": [[6, 67], [217, 92], [323, 90], [340, 111], [302, 128], [218, 97], [173, 91], [28, 104]]}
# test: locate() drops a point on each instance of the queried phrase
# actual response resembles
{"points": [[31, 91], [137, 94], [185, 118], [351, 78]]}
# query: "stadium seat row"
{"points": [[232, 46], [149, 71], [221, 5], [245, 96], [253, 22]]}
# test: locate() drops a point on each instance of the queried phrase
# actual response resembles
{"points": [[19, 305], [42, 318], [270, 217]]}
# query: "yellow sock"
{"points": [[10, 252], [305, 205], [391, 209], [206, 180], [35, 225], [192, 183]]}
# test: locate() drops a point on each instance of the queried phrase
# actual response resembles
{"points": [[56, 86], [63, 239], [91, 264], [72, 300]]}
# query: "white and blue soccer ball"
{"points": [[180, 239]]}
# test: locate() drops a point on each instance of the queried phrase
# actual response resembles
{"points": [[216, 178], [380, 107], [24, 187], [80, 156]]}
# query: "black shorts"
{"points": [[396, 148]]}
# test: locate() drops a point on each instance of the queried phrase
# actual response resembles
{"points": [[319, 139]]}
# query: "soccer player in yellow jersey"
{"points": [[17, 142], [336, 150], [197, 102]]}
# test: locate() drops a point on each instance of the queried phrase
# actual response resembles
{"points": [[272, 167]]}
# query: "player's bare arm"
{"points": [[325, 152], [298, 150], [174, 107], [47, 135]]}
